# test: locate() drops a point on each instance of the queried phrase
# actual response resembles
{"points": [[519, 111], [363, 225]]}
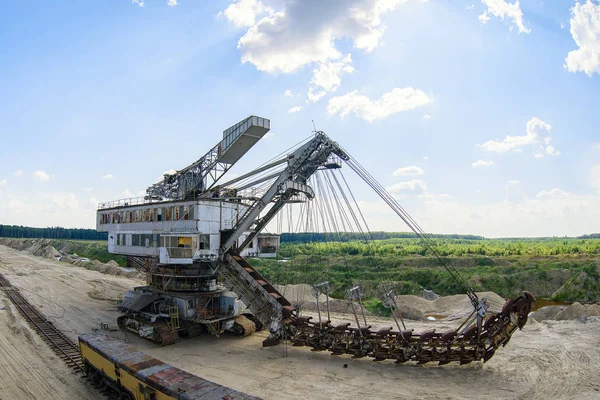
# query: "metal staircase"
{"points": [[253, 290]]}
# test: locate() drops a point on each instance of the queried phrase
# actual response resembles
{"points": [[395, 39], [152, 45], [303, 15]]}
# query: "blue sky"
{"points": [[479, 116]]}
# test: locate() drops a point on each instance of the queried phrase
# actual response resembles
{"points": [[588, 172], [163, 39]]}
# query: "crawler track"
{"points": [[55, 339]]}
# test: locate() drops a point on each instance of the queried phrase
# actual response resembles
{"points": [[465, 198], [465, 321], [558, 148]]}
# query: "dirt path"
{"points": [[553, 359]]}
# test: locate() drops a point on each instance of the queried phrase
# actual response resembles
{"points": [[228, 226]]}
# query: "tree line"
{"points": [[315, 237], [51, 232]]}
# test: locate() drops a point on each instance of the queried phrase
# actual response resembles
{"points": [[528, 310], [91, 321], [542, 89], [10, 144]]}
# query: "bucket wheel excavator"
{"points": [[190, 231]]}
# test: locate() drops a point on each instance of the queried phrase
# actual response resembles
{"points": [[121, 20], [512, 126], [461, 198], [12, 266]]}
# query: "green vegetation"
{"points": [[559, 268], [564, 269]]}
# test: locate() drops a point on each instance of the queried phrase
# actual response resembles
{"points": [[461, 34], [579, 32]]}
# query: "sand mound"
{"points": [[547, 313], [593, 310], [574, 311], [301, 293], [48, 252], [447, 305]]}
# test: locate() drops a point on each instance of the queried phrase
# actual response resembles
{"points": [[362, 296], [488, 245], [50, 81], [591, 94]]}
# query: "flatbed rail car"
{"points": [[132, 375]]}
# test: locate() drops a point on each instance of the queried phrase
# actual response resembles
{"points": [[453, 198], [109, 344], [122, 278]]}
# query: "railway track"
{"points": [[64, 347]]}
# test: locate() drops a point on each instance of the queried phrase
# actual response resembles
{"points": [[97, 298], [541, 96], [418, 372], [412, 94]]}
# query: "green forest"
{"points": [[16, 231]]}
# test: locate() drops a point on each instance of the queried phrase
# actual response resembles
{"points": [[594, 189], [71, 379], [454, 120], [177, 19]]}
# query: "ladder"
{"points": [[174, 318]]}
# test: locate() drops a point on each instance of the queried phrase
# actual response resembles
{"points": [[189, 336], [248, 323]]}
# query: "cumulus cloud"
{"points": [[172, 3], [504, 10], [295, 109], [327, 77], [533, 131], [288, 93], [415, 186], [107, 176], [411, 170], [243, 13], [140, 3], [595, 177], [292, 34], [399, 99], [19, 172], [41, 176], [585, 30], [426, 116], [482, 163], [556, 192]]}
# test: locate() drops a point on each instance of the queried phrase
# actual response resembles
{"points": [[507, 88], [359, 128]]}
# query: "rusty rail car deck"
{"points": [[64, 348]]}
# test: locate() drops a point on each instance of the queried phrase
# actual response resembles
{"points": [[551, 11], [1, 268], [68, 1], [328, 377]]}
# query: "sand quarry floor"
{"points": [[547, 360]]}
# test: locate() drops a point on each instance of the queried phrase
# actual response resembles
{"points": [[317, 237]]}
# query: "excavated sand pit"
{"points": [[552, 359]]}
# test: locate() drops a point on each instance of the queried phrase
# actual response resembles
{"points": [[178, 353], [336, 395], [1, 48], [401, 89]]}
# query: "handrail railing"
{"points": [[130, 201]]}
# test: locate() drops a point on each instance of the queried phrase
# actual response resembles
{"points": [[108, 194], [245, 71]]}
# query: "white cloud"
{"points": [[3, 182], [472, 6], [88, 190], [597, 147], [425, 158], [19, 172], [514, 192], [327, 77], [295, 109], [172, 3], [544, 216], [140, 3], [585, 30], [107, 176], [399, 99], [46, 209], [415, 186], [482, 163], [504, 10], [294, 34], [595, 177], [243, 13], [41, 175], [535, 127], [126, 193], [412, 170], [426, 116], [552, 193], [288, 93]]}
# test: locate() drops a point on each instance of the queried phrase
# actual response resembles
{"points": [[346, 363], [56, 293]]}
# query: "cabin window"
{"points": [[135, 240], [168, 214], [204, 242], [159, 214], [185, 242], [186, 210], [175, 213], [151, 215]]}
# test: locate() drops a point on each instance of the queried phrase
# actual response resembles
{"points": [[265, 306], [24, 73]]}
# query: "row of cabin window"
{"points": [[148, 240], [148, 215], [141, 240]]}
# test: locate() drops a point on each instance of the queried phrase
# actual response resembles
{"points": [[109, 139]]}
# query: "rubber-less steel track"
{"points": [[55, 339]]}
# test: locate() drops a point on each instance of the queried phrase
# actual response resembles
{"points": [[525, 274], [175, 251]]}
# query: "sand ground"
{"points": [[551, 359]]}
